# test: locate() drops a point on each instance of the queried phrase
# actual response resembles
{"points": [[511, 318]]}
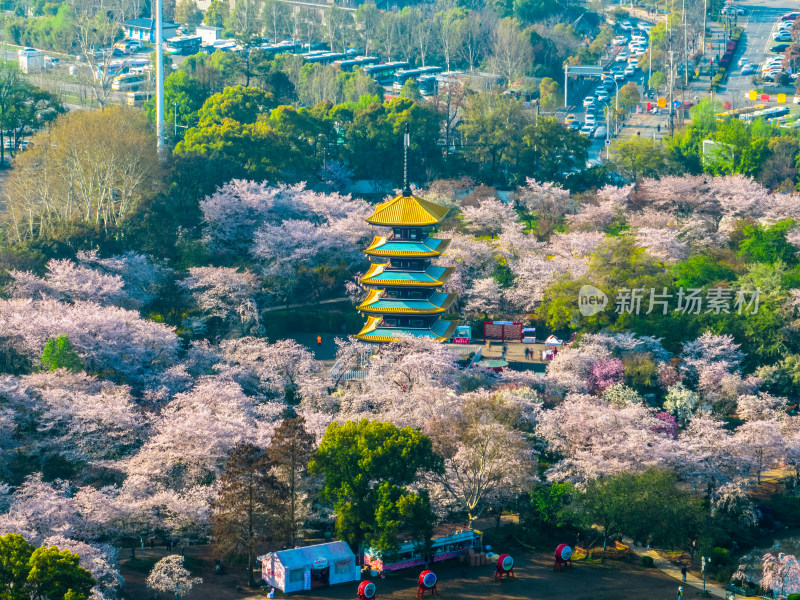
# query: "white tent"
{"points": [[553, 341], [301, 569]]}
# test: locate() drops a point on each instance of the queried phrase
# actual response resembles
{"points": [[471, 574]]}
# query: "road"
{"points": [[759, 23]]}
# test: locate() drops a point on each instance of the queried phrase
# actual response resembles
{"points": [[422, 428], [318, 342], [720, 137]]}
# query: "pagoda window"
{"points": [[390, 322], [412, 234], [392, 293], [417, 323], [415, 294]]}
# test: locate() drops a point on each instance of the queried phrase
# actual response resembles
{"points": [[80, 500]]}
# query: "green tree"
{"points": [[217, 13], [639, 157], [183, 99], [56, 574], [767, 244], [236, 103], [58, 354], [397, 512], [15, 554], [410, 90], [549, 506], [657, 81], [549, 93], [549, 150], [248, 509], [606, 504], [355, 459], [289, 451], [493, 126], [186, 12], [629, 95]]}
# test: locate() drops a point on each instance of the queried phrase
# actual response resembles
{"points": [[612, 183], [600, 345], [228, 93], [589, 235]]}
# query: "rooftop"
{"points": [[439, 302], [384, 246], [374, 332], [382, 275], [407, 210]]}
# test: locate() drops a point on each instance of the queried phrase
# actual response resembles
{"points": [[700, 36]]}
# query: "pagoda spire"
{"points": [[406, 144]]}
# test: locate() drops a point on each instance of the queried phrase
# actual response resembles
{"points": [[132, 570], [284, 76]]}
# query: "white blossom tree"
{"points": [[169, 575]]}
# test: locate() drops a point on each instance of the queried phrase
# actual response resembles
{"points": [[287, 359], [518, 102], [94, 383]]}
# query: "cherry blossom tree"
{"points": [[109, 339], [484, 297], [70, 282], [223, 292], [484, 456], [662, 243], [548, 201], [781, 574], [760, 445], [596, 439], [760, 406], [142, 280], [605, 373], [731, 500], [169, 575], [489, 217], [283, 368], [706, 453], [195, 432]]}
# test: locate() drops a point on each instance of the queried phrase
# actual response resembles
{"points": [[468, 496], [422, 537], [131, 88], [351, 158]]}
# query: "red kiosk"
{"points": [[366, 590], [505, 566], [563, 557], [427, 581]]}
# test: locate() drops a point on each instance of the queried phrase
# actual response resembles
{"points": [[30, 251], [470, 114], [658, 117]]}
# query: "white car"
{"points": [[599, 133], [588, 101], [780, 37], [620, 40], [630, 70], [589, 119], [622, 56], [626, 25], [587, 130], [603, 95]]}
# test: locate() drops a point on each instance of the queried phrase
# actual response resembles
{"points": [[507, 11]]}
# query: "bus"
{"points": [[401, 77], [738, 113], [321, 57], [428, 85], [183, 44], [359, 61], [284, 47], [129, 81], [384, 73], [768, 114], [137, 99]]}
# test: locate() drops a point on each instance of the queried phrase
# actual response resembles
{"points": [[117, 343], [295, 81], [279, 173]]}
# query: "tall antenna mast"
{"points": [[406, 144], [159, 78]]}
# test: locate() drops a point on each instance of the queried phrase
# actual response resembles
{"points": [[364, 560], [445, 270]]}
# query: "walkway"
{"points": [[663, 565]]}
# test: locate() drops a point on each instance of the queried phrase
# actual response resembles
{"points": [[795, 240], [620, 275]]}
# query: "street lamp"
{"points": [[703, 570]]}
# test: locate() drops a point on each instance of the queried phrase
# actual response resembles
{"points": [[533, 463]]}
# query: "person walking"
{"points": [[683, 572], [680, 592]]}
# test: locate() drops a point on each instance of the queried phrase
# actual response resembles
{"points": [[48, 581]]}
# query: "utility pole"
{"points": [[705, 13], [685, 50], [159, 81], [671, 89]]}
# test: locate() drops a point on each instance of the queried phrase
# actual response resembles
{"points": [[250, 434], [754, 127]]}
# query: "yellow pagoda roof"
{"points": [[382, 275], [407, 210], [429, 247], [374, 331], [375, 303]]}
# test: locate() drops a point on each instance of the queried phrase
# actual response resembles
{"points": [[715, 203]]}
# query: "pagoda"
{"points": [[404, 298]]}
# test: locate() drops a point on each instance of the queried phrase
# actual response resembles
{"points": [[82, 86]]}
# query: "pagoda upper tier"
{"points": [[404, 297]]}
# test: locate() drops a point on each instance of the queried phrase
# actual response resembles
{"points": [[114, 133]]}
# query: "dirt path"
{"points": [[535, 580]]}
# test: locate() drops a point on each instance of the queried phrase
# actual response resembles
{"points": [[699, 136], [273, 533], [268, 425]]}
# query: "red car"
{"points": [[792, 16]]}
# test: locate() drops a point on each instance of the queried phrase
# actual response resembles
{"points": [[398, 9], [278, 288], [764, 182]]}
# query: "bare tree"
{"points": [[475, 36], [511, 51], [98, 25]]}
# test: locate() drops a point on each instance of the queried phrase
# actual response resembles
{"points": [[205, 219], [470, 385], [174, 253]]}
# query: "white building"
{"points": [[30, 60], [310, 567]]}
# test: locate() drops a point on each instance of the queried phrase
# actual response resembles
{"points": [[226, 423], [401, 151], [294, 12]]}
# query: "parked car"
{"points": [[782, 37], [779, 48], [134, 45], [792, 16]]}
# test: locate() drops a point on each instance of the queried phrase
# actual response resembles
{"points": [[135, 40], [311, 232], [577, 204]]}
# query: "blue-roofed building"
{"points": [[145, 30], [310, 567], [404, 298]]}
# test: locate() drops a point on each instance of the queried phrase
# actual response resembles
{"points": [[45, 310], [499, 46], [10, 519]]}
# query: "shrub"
{"points": [[794, 596], [647, 561]]}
